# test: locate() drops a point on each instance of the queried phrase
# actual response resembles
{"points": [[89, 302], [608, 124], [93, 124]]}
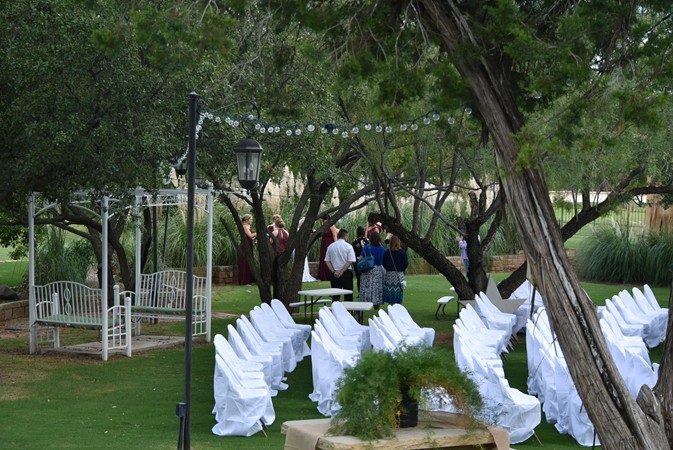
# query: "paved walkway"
{"points": [[17, 328]]}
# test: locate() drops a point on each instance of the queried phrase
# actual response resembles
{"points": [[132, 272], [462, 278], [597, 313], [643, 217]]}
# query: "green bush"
{"points": [[369, 393], [612, 257]]}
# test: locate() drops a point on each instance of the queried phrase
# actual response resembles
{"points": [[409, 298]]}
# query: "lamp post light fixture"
{"points": [[249, 157]]}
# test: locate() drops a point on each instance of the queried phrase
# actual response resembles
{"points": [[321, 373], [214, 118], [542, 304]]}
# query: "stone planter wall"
{"points": [[13, 310], [225, 274]]}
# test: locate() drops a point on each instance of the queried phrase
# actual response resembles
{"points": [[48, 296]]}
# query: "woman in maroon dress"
{"points": [[244, 272], [328, 237], [372, 225]]}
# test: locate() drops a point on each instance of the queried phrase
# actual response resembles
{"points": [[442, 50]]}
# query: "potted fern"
{"points": [[371, 393]]}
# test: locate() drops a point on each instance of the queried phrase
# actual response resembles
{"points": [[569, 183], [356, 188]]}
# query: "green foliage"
{"points": [[224, 252], [58, 259], [615, 258], [369, 392]]}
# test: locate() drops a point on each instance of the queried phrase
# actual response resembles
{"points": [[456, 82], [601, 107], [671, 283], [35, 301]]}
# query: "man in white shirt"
{"points": [[339, 258]]}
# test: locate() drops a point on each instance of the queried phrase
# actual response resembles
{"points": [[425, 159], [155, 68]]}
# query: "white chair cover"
{"points": [[353, 342], [646, 305], [379, 339], [492, 317], [613, 333], [325, 370], [650, 336], [247, 380], [515, 411], [657, 322], [651, 298], [271, 330], [252, 369], [299, 336], [402, 319], [258, 345], [395, 334], [633, 368], [472, 358], [248, 331], [273, 364], [350, 325], [548, 376], [239, 411], [628, 329], [495, 338], [288, 322]]}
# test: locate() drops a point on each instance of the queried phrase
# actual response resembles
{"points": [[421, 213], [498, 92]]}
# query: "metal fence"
{"points": [[629, 218]]}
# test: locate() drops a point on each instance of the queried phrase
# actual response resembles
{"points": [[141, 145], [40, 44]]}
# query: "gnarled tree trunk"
{"points": [[619, 421]]}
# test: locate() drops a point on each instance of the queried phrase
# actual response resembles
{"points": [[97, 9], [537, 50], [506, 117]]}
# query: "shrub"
{"points": [[612, 257], [370, 392]]}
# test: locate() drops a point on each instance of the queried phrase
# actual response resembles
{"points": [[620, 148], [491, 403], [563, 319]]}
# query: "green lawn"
{"points": [[54, 401], [13, 273]]}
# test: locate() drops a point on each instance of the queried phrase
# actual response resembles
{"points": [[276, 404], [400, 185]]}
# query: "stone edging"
{"points": [[13, 310]]}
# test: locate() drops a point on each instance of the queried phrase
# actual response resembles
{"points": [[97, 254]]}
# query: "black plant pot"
{"points": [[408, 409]]}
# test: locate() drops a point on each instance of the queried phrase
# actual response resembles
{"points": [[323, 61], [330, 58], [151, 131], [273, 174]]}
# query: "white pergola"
{"points": [[100, 208]]}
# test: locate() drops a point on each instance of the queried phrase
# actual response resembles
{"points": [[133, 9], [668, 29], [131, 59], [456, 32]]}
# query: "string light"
{"points": [[345, 130]]}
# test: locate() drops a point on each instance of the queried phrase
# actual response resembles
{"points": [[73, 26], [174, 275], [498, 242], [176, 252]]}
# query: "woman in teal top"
{"points": [[395, 262]]}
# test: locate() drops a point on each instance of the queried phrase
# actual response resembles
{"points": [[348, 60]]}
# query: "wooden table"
{"points": [[358, 309], [434, 430], [311, 296]]}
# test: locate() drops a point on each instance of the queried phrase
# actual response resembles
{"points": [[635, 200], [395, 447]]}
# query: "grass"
{"points": [[56, 401], [13, 273]]}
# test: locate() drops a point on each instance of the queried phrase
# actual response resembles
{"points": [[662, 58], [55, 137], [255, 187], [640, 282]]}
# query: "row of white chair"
{"points": [[250, 367], [337, 342], [492, 317], [242, 396], [630, 355], [533, 301], [549, 379], [639, 314], [477, 349]]}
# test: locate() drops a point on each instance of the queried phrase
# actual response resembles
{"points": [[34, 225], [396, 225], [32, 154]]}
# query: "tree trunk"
{"points": [[664, 386], [618, 420]]}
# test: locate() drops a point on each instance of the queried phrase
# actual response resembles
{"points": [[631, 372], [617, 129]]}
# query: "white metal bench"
{"points": [[71, 304], [161, 295]]}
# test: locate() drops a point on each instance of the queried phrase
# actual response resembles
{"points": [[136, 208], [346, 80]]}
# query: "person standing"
{"points": [[395, 262], [272, 226], [339, 259], [372, 226], [306, 276], [371, 282], [280, 234], [329, 236], [462, 244], [244, 271], [358, 245]]}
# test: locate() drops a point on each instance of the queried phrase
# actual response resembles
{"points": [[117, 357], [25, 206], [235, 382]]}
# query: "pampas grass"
{"points": [[612, 257]]}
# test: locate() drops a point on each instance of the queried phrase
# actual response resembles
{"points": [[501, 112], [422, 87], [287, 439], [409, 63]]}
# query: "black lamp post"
{"points": [[249, 156]]}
